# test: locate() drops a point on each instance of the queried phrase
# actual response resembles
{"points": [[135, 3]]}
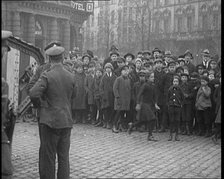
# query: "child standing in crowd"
{"points": [[107, 95], [138, 64], [122, 93], [79, 102], [167, 81], [200, 69], [175, 99], [159, 73], [97, 97], [89, 88], [186, 108], [146, 105], [203, 105]]}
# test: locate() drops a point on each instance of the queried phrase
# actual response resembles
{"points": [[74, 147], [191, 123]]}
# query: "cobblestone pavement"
{"points": [[98, 153]]}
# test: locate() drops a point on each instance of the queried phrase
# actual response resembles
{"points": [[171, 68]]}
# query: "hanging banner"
{"points": [[82, 6]]}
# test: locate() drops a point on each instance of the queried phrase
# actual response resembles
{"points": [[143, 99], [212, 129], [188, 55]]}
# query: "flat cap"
{"points": [[86, 55], [142, 73], [167, 53], [120, 60], [206, 52], [147, 52], [129, 54], [138, 59], [55, 50], [125, 67], [188, 53], [184, 74], [158, 60], [172, 63], [156, 50]]}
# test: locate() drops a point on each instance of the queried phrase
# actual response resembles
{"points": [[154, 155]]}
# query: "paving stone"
{"points": [[98, 153]]}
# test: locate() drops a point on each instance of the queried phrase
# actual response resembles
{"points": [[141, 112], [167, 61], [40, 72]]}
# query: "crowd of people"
{"points": [[153, 91]]}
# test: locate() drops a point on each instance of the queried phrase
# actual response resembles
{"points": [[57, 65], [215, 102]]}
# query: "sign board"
{"points": [[82, 6]]}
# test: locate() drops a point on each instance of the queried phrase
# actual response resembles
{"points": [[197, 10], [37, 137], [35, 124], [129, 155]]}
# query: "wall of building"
{"points": [[175, 25]]}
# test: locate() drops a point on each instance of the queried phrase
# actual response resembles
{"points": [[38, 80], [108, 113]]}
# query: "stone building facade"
{"points": [[40, 22], [175, 25]]}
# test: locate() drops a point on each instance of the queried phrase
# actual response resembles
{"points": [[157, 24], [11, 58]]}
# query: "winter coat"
{"points": [[218, 115], [147, 99], [122, 93], [79, 102], [217, 98], [191, 67], [167, 82], [106, 90], [194, 85], [97, 88], [185, 87], [175, 96], [136, 89], [89, 88], [158, 85], [203, 100]]}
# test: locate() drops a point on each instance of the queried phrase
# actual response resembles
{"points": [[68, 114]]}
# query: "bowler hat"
{"points": [[172, 63], [129, 54], [156, 50], [90, 53]]}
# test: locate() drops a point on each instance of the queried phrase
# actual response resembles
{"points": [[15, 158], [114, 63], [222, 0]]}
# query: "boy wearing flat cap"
{"points": [[167, 81], [129, 57], [203, 105], [58, 87], [175, 99], [188, 57], [122, 93], [107, 95]]}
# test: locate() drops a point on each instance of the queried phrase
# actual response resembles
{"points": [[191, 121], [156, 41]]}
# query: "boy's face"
{"points": [[91, 69], [205, 74], [113, 57], [98, 73], [120, 64], [128, 59], [158, 65], [213, 65], [184, 79], [86, 60], [200, 70], [108, 70], [175, 82], [186, 71], [171, 68], [211, 76], [138, 64], [142, 78], [181, 63], [204, 82], [125, 72], [187, 58], [166, 70], [151, 77], [147, 55], [156, 54], [79, 70]]}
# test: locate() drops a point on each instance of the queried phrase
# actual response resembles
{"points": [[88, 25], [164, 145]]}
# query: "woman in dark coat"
{"points": [[79, 102], [146, 105]]}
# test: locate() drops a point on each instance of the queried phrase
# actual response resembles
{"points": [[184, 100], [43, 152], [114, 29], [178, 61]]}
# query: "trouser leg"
{"points": [[63, 154], [47, 152]]}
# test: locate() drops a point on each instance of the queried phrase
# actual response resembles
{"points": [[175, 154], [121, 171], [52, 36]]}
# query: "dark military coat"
{"points": [[58, 86]]}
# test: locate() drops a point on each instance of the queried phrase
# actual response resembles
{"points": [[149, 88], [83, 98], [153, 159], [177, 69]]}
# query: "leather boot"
{"points": [[98, 124], [130, 126], [176, 137], [104, 124], [121, 128], [171, 137], [114, 129]]}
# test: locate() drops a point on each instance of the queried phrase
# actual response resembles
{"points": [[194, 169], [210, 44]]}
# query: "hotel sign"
{"points": [[84, 6]]}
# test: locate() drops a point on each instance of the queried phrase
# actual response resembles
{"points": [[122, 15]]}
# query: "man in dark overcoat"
{"points": [[107, 95], [58, 86]]}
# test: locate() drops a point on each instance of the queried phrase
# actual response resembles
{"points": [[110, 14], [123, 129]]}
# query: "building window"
{"points": [[215, 21], [205, 22], [112, 17], [157, 3], [179, 24], [189, 23], [166, 25], [157, 26], [130, 14], [166, 2]]}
